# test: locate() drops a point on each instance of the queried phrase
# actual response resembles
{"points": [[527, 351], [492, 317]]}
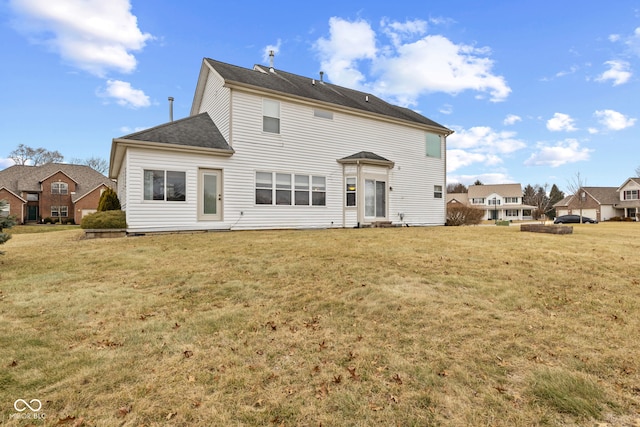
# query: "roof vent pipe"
{"points": [[271, 55], [171, 108], [366, 98], [322, 76]]}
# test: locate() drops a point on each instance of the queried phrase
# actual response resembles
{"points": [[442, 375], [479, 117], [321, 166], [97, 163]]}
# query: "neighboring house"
{"points": [[264, 148], [54, 190], [499, 201], [603, 203]]}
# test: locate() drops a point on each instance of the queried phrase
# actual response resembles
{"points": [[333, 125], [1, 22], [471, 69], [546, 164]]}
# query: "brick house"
{"points": [[55, 190], [604, 203]]}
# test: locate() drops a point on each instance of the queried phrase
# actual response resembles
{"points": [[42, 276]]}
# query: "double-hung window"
{"points": [[275, 188], [631, 194], [318, 191], [302, 190], [59, 188], [59, 211], [270, 116], [164, 185], [351, 191], [283, 189], [437, 191]]}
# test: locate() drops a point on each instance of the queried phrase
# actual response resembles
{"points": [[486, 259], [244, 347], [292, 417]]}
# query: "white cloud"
{"points": [[561, 122], [5, 163], [348, 43], [92, 35], [479, 144], [487, 178], [446, 109], [512, 119], [614, 120], [567, 151], [124, 94], [618, 72], [411, 65]]}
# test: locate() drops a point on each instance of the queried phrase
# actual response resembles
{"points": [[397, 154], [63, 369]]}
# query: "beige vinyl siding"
{"points": [[216, 101], [312, 145]]}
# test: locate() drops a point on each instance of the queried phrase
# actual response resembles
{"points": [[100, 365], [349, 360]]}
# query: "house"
{"points": [[56, 190], [264, 148], [604, 203], [499, 201]]}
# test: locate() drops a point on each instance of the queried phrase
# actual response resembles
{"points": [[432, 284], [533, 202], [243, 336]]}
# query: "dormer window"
{"points": [[59, 188]]}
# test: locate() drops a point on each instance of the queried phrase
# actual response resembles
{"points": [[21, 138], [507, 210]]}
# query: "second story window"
{"points": [[511, 199], [478, 201], [437, 191], [434, 148], [270, 116], [59, 188], [631, 195]]}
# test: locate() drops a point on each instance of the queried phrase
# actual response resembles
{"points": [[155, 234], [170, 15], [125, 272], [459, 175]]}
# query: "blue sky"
{"points": [[536, 91]]}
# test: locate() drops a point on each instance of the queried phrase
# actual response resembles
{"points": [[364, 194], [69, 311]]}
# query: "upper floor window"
{"points": [[270, 116], [478, 201], [511, 199], [433, 145], [164, 185], [631, 194], [33, 197], [494, 201], [59, 188], [437, 191]]}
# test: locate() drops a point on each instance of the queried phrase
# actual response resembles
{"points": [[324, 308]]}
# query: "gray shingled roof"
{"points": [[292, 84], [20, 178], [366, 155], [195, 131]]}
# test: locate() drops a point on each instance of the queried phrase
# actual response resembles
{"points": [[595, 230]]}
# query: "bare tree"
{"points": [[456, 188], [638, 171], [575, 187], [24, 155], [96, 163]]}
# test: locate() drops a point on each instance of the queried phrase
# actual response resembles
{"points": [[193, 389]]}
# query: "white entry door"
{"points": [[210, 195]]}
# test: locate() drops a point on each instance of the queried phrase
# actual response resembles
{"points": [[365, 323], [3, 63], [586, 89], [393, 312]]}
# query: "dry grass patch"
{"points": [[412, 326]]}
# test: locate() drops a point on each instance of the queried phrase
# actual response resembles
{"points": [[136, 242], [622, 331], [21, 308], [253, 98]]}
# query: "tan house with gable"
{"points": [[58, 191], [499, 201]]}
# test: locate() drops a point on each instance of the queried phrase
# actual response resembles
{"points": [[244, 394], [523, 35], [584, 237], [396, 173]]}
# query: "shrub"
{"points": [[48, 220], [464, 215], [106, 219], [109, 201], [5, 222]]}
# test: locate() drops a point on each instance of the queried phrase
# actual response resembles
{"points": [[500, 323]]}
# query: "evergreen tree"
{"points": [[529, 195], [555, 195], [5, 222], [109, 201]]}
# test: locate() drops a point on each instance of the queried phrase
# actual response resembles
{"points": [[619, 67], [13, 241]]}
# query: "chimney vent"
{"points": [[171, 108], [366, 98], [322, 76], [271, 56]]}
